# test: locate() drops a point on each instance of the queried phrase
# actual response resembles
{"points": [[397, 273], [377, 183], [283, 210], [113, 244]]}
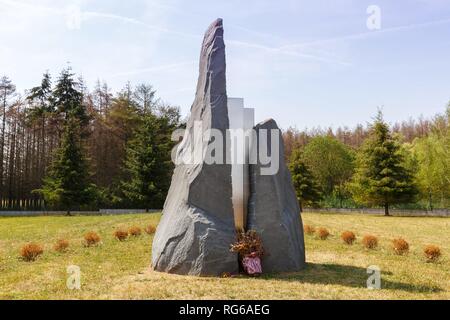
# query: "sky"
{"points": [[303, 63]]}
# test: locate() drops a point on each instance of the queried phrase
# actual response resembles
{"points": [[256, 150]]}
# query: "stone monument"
{"points": [[208, 201]]}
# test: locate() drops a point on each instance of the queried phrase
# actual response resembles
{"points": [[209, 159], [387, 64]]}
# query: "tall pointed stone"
{"points": [[273, 207], [197, 225]]}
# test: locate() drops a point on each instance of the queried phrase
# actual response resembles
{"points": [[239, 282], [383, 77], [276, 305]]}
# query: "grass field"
{"points": [[120, 270]]}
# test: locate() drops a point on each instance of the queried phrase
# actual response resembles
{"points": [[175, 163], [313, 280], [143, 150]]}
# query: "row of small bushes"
{"points": [[400, 246], [122, 235], [31, 251]]}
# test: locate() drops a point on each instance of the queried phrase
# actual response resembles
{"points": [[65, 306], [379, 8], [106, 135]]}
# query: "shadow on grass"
{"points": [[349, 276]]}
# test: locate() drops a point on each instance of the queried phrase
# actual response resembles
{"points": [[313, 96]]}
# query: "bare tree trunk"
{"points": [[43, 163], [386, 209], [430, 200], [2, 145]]}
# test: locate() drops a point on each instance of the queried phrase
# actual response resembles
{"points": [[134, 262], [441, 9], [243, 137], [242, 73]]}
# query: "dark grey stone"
{"points": [[197, 225], [274, 212]]}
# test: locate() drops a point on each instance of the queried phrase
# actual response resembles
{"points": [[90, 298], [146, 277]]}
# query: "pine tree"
{"points": [[381, 177], [148, 163], [306, 188], [42, 95], [42, 107], [67, 184], [68, 97]]}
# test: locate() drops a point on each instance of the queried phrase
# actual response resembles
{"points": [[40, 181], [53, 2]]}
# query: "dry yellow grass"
{"points": [[334, 271]]}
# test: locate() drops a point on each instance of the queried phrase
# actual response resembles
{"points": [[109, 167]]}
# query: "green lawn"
{"points": [[120, 270]]}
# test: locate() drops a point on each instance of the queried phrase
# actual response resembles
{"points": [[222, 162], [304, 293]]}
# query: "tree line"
{"points": [[64, 147], [406, 165]]}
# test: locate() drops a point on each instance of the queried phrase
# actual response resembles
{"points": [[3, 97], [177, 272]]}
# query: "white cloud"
{"points": [[288, 52], [365, 35], [75, 15], [101, 15], [154, 69]]}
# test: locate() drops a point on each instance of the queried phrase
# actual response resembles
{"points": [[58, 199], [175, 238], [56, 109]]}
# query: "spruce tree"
{"points": [[68, 98], [306, 188], [67, 184], [381, 177], [42, 107], [42, 96], [148, 163]]}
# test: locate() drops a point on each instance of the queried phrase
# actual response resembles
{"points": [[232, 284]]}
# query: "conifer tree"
{"points": [[381, 177], [67, 184], [68, 98], [42, 107], [42, 95], [148, 163]]}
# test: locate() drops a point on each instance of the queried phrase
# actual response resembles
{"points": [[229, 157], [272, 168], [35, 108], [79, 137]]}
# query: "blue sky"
{"points": [[303, 63]]}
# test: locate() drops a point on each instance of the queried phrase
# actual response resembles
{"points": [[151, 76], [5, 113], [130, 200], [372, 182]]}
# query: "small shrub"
{"points": [[135, 231], [370, 242], [309, 229], [432, 253], [121, 235], [150, 229], [348, 237], [400, 246], [31, 251], [91, 239], [61, 245], [323, 233]]}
